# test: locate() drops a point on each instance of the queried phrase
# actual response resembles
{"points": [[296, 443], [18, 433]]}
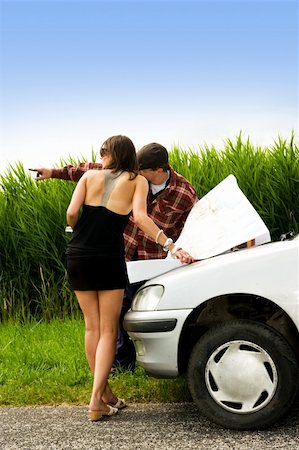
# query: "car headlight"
{"points": [[147, 299]]}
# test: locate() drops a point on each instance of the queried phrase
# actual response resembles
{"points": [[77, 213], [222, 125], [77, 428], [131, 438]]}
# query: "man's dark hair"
{"points": [[153, 156]]}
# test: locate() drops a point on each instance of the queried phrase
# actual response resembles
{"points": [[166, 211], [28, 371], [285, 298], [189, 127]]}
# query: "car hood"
{"points": [[268, 271], [220, 221]]}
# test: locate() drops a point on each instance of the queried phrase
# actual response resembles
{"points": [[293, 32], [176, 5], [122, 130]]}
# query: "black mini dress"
{"points": [[95, 253]]}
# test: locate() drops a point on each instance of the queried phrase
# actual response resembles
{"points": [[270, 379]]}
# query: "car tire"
{"points": [[243, 375]]}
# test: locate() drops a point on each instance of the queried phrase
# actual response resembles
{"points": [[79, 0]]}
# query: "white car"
{"points": [[231, 322]]}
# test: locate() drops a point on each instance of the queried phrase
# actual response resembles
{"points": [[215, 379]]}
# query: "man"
{"points": [[170, 199]]}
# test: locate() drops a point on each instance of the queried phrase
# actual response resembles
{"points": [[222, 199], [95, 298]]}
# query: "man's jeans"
{"points": [[125, 356]]}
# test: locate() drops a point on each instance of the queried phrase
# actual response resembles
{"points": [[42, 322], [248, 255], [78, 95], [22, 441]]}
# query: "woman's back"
{"points": [[95, 253], [105, 214], [114, 191]]}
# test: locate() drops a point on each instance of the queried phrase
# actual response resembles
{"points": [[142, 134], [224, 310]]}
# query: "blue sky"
{"points": [[175, 72]]}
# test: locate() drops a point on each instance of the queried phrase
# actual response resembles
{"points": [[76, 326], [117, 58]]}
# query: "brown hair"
{"points": [[123, 154]]}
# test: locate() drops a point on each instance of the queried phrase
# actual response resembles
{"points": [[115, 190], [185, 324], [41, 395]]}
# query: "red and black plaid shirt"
{"points": [[168, 209]]}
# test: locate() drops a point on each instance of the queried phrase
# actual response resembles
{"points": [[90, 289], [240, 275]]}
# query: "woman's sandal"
{"points": [[120, 404], [94, 416]]}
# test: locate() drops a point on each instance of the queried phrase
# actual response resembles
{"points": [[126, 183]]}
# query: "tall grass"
{"points": [[268, 176], [32, 243], [33, 279]]}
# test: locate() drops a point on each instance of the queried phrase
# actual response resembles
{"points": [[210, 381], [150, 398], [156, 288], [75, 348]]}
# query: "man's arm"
{"points": [[69, 172]]}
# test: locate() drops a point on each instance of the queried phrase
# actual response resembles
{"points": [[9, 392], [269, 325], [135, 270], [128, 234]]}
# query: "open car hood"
{"points": [[221, 220]]}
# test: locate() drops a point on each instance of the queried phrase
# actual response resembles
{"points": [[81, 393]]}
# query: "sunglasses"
{"points": [[103, 151]]}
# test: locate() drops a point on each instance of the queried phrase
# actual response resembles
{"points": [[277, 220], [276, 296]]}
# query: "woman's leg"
{"points": [[109, 306], [89, 304]]}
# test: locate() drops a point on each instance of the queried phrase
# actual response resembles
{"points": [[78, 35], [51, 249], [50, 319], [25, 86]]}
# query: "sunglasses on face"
{"points": [[103, 152]]}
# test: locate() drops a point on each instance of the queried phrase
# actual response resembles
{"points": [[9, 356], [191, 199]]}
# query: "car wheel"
{"points": [[243, 375]]}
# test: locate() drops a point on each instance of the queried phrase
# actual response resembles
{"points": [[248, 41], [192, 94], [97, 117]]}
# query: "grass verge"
{"points": [[44, 363]]}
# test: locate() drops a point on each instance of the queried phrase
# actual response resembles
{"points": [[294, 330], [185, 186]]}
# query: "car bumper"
{"points": [[156, 337]]}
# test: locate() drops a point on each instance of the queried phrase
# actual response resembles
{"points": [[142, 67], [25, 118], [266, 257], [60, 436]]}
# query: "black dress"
{"points": [[95, 253]]}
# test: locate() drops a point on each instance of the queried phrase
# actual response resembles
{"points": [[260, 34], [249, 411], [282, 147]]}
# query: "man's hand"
{"points": [[42, 173]]}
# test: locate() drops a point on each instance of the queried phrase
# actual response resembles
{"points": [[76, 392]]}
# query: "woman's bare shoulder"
{"points": [[94, 173], [141, 179], [141, 183], [132, 177]]}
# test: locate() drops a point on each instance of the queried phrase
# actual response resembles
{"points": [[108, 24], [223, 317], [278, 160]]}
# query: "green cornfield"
{"points": [[33, 282]]}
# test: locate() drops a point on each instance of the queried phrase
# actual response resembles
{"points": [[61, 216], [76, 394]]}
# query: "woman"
{"points": [[95, 256]]}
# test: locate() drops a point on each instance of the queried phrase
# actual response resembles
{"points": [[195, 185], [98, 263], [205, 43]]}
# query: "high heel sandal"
{"points": [[94, 416], [120, 404]]}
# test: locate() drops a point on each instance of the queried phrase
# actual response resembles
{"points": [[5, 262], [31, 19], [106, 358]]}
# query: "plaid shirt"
{"points": [[168, 209], [74, 173]]}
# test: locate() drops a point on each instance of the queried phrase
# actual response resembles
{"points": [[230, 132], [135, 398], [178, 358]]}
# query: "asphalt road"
{"points": [[139, 427]]}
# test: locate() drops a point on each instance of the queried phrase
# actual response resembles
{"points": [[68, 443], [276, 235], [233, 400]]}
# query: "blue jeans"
{"points": [[125, 356]]}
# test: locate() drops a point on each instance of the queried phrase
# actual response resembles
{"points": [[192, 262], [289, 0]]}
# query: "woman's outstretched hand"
{"points": [[184, 256]]}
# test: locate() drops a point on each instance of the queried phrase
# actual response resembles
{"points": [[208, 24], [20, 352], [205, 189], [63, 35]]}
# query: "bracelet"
{"points": [[158, 235], [174, 250], [167, 244]]}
